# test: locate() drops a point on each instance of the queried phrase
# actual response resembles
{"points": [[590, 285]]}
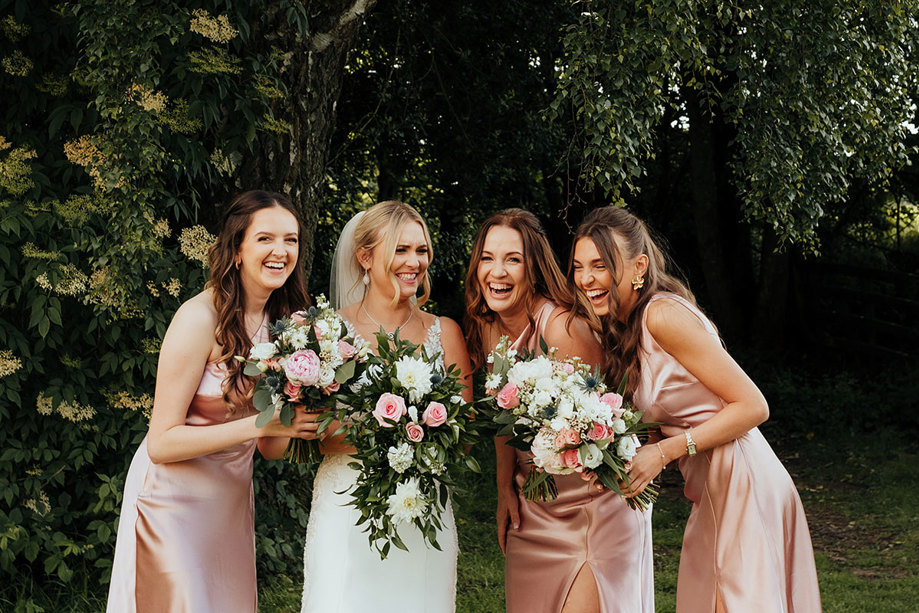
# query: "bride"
{"points": [[379, 265]]}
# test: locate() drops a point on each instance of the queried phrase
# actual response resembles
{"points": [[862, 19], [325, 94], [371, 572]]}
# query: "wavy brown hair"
{"points": [[622, 340], [228, 294], [543, 276]]}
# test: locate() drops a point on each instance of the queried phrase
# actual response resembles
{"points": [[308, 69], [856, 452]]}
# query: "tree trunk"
{"points": [[770, 318], [722, 238], [295, 163]]}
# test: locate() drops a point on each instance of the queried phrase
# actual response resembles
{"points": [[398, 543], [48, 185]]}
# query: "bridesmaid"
{"points": [[586, 551], [186, 540], [746, 545]]}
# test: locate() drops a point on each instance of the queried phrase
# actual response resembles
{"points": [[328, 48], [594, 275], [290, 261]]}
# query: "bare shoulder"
{"points": [[192, 331], [348, 312], [198, 311], [673, 325], [561, 326], [449, 328]]}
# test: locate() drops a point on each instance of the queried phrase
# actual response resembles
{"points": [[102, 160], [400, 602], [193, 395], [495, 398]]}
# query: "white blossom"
{"points": [[415, 376], [262, 351], [407, 503], [400, 458]]}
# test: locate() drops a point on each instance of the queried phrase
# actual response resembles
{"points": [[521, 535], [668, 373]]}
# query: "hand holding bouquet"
{"points": [[311, 356], [410, 427], [561, 412]]}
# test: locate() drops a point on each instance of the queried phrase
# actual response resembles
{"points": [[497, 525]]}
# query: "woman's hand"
{"points": [[644, 468], [303, 425], [508, 515]]}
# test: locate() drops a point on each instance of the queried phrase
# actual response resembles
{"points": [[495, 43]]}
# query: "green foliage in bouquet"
{"points": [[412, 431]]}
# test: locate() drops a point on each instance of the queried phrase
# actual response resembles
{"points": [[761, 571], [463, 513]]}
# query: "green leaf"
{"points": [[345, 371], [263, 418], [251, 370]]}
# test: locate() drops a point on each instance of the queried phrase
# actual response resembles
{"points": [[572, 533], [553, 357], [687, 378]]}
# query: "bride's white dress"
{"points": [[342, 574]]}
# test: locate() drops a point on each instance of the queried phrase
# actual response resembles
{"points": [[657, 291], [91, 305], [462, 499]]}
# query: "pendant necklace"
{"points": [[411, 313]]}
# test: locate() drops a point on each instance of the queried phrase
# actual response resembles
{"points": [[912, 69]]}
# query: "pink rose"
{"points": [[435, 415], [318, 333], [599, 431], [292, 390], [346, 349], [389, 406], [415, 432], [331, 388], [302, 367], [614, 401], [571, 459], [568, 368], [507, 397], [566, 438], [297, 318]]}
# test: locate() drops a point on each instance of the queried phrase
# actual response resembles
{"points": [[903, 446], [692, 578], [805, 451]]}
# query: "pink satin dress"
{"points": [[581, 526], [186, 537], [746, 537]]}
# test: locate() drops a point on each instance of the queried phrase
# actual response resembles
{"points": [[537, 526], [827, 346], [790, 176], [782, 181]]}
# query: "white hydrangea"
{"points": [[415, 376], [407, 503], [400, 458]]}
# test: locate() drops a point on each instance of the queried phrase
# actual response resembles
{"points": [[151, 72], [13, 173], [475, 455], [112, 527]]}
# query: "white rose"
{"points": [[618, 426], [263, 351], [626, 448], [591, 456]]}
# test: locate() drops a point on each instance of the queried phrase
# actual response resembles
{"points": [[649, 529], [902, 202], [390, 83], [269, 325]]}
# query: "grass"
{"points": [[859, 483]]}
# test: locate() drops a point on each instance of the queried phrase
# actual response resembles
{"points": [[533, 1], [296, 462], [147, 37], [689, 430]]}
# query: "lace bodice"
{"points": [[432, 340]]}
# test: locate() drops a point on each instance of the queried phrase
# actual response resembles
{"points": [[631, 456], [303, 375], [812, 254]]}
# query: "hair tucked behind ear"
{"points": [[229, 297], [543, 275], [622, 340]]}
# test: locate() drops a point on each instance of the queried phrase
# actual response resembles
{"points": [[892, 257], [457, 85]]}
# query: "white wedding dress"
{"points": [[343, 574]]}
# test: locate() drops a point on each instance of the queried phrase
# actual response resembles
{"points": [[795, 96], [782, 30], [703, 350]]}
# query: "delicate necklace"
{"points": [[379, 325]]}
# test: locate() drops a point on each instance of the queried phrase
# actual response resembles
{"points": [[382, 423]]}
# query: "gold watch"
{"points": [[690, 444]]}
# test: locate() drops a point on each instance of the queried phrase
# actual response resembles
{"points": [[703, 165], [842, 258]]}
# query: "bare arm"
{"points": [[183, 356], [575, 340], [681, 334]]}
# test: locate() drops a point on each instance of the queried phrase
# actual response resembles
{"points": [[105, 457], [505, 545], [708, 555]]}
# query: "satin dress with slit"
{"points": [[746, 538], [581, 526], [186, 536]]}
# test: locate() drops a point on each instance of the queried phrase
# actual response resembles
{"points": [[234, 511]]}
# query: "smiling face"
{"points": [[607, 290], [269, 250], [408, 267], [501, 272]]}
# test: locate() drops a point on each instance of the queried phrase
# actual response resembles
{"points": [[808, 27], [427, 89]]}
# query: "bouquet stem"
{"points": [[645, 499], [300, 451], [540, 486]]}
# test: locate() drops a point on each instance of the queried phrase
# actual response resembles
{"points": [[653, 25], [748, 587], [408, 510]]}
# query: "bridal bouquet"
{"points": [[561, 412], [411, 430], [311, 356]]}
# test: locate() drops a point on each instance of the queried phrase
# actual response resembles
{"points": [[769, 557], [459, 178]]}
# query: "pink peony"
{"points": [[567, 437], [507, 397], [302, 367], [389, 406], [599, 431], [346, 349], [297, 318], [434, 415], [292, 390], [571, 459], [415, 432], [331, 388], [614, 401]]}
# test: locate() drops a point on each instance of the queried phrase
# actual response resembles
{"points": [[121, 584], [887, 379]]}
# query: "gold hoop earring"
{"points": [[236, 263], [638, 282]]}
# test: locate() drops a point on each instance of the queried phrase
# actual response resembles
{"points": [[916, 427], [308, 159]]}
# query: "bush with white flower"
{"points": [[561, 413], [411, 428], [311, 356]]}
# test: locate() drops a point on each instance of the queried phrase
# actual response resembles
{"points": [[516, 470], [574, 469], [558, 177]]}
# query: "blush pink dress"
{"points": [[746, 537], [581, 526], [186, 537]]}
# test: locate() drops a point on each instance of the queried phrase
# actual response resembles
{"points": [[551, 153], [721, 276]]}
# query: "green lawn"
{"points": [[861, 494]]}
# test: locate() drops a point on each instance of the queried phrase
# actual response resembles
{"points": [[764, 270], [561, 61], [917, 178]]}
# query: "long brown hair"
{"points": [[381, 225], [621, 340], [543, 275], [228, 294]]}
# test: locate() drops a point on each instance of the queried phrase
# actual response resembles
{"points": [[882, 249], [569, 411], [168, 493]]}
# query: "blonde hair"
{"points": [[381, 226]]}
